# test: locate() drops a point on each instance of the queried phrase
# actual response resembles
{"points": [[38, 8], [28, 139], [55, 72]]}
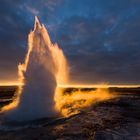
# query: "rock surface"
{"points": [[116, 119]]}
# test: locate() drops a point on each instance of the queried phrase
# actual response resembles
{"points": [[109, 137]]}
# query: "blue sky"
{"points": [[100, 38]]}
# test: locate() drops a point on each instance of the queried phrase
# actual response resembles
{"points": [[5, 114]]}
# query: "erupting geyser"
{"points": [[43, 75], [44, 68]]}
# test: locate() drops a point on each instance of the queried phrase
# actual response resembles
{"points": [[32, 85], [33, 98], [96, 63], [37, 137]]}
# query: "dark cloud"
{"points": [[100, 38]]}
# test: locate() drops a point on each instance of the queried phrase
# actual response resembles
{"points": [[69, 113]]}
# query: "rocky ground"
{"points": [[115, 119]]}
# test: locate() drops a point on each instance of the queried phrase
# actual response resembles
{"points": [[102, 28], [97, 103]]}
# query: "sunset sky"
{"points": [[100, 38]]}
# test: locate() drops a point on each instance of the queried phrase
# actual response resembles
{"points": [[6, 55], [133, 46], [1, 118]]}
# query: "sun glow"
{"points": [[97, 86], [10, 83], [16, 83]]}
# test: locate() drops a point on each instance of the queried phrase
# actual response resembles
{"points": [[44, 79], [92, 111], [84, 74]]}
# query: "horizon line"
{"points": [[80, 85]]}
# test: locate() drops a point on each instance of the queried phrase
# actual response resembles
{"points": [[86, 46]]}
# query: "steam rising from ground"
{"points": [[44, 69], [72, 102]]}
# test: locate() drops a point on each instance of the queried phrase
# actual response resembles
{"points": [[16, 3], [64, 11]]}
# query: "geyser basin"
{"points": [[44, 68]]}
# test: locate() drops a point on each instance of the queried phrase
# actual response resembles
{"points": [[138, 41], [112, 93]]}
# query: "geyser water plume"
{"points": [[44, 68]]}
